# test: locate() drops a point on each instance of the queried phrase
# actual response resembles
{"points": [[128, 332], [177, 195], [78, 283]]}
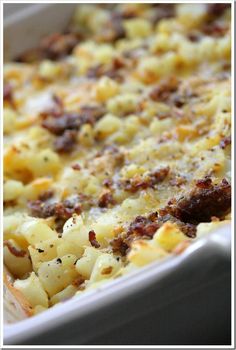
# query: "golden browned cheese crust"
{"points": [[117, 142]]}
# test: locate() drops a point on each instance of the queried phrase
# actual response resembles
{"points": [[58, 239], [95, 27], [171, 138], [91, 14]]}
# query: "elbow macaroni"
{"points": [[104, 132]]}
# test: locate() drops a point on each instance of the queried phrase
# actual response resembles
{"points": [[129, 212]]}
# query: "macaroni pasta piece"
{"points": [[116, 145]]}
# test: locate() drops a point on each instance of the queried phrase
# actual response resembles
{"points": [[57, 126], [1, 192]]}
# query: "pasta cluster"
{"points": [[116, 145]]}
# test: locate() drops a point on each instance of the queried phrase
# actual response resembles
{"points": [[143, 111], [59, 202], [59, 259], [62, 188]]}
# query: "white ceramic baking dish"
{"points": [[182, 300]]}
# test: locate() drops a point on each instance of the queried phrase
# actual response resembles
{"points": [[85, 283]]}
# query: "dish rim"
{"points": [[125, 285], [218, 241]]}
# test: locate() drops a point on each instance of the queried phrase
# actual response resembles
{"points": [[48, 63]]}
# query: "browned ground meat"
{"points": [[66, 142], [60, 210], [216, 10], [92, 239], [58, 45], [138, 183], [164, 89], [58, 123], [106, 199], [145, 227], [203, 203]]}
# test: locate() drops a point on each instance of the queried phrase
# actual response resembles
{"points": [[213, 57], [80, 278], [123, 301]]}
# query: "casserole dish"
{"points": [[119, 300]]}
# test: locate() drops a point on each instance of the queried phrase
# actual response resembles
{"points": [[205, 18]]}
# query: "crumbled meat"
{"points": [[187, 228], [142, 226], [135, 184], [145, 227], [57, 124], [177, 180], [40, 209], [153, 216], [159, 175], [54, 47], [100, 70], [76, 166], [118, 63], [118, 30], [91, 114], [161, 11], [119, 246], [57, 46], [204, 183], [153, 178], [19, 253], [216, 10], [214, 29], [106, 199], [93, 240], [67, 208], [66, 142], [226, 141], [194, 36], [165, 88], [46, 195], [60, 210], [203, 203]]}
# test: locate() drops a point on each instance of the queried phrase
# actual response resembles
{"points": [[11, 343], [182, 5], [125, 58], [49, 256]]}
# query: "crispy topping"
{"points": [[118, 31], [58, 124], [135, 184], [161, 11], [177, 180], [214, 29], [119, 246], [100, 70], [61, 210], [92, 239], [204, 183], [159, 175], [143, 226], [57, 46], [67, 142], [164, 89], [188, 229], [194, 36], [46, 195], [153, 178], [216, 10], [105, 199], [203, 202]]}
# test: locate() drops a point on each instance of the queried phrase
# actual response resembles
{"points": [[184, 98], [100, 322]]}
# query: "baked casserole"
{"points": [[117, 139]]}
